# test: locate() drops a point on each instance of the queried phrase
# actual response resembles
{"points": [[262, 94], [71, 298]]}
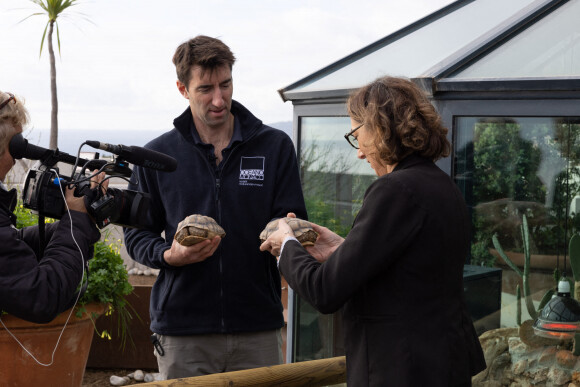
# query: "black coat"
{"points": [[36, 289], [398, 278]]}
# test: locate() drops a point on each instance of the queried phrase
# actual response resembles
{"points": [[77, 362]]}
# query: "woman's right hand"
{"points": [[326, 243], [78, 203]]}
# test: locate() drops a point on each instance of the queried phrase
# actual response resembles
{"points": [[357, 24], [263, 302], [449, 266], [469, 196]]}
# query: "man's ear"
{"points": [[182, 89]]}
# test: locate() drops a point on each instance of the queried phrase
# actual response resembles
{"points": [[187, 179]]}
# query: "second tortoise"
{"points": [[301, 228]]}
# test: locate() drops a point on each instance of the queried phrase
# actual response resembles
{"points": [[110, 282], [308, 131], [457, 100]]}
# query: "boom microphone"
{"points": [[139, 156], [19, 148]]}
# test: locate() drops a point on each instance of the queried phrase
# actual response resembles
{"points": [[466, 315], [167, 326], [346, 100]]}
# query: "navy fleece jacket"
{"points": [[238, 288]]}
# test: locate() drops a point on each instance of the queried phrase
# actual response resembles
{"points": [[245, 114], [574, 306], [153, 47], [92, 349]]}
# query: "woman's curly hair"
{"points": [[13, 116], [402, 119]]}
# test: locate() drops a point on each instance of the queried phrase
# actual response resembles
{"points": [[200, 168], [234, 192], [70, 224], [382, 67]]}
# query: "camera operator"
{"points": [[32, 287]]}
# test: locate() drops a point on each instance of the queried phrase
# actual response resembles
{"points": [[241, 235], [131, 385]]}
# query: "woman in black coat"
{"points": [[33, 287], [398, 275]]}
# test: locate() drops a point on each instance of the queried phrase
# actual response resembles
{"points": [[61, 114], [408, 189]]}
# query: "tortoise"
{"points": [[196, 228], [302, 230]]}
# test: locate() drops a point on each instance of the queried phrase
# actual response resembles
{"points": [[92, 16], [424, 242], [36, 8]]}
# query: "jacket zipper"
{"points": [[218, 210], [218, 172]]}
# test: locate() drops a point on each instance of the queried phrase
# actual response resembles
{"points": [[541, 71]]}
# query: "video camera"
{"points": [[42, 188]]}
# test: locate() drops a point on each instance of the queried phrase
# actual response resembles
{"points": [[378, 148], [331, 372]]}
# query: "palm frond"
{"points": [[57, 37], [53, 9], [42, 41]]}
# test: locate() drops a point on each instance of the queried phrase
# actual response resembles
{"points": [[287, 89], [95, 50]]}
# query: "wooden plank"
{"points": [[324, 372]]}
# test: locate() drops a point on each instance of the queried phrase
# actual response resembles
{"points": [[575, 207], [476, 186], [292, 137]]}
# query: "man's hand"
{"points": [[179, 255]]}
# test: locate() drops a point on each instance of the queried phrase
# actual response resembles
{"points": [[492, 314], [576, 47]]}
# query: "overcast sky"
{"points": [[115, 69]]}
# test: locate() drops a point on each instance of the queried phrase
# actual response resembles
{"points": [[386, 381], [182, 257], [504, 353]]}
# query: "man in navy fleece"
{"points": [[215, 306]]}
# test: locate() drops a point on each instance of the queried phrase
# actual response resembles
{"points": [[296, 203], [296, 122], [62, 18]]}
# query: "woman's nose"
{"points": [[360, 154]]}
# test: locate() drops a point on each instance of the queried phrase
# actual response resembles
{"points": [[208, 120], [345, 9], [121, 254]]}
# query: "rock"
{"points": [[529, 337], [517, 348], [566, 359], [118, 380], [540, 376], [139, 376], [132, 271], [149, 378], [519, 367], [559, 376], [547, 356], [499, 365], [495, 342], [147, 272]]}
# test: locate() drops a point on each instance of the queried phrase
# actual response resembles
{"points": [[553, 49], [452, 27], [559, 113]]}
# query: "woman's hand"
{"points": [[326, 243], [324, 246], [78, 203], [274, 242]]}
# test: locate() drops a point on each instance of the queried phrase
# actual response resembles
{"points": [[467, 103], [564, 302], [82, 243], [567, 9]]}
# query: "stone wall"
{"points": [[517, 358]]}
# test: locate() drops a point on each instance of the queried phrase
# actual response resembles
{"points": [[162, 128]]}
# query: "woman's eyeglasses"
{"points": [[11, 98], [352, 139]]}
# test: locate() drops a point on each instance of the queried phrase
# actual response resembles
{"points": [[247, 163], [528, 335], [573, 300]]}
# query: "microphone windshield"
{"points": [[20, 148], [151, 159]]}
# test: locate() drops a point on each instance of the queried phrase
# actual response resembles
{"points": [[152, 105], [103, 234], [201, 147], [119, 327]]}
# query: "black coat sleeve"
{"points": [[35, 289], [386, 224]]}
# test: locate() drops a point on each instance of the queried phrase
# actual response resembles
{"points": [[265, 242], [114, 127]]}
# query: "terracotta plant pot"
{"points": [[537, 261], [70, 358]]}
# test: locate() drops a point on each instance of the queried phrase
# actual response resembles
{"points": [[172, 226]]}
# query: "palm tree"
{"points": [[54, 9]]}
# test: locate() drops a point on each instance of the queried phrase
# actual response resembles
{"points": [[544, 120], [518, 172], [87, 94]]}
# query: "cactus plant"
{"points": [[574, 252], [526, 273], [518, 305]]}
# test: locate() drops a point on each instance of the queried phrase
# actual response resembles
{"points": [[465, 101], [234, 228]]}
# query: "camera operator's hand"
{"points": [[78, 203], [180, 255]]}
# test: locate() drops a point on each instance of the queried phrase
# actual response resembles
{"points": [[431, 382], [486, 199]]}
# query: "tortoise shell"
{"points": [[196, 228], [301, 228]]}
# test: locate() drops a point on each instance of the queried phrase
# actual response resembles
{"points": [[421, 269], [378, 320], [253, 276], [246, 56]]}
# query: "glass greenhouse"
{"points": [[505, 77]]}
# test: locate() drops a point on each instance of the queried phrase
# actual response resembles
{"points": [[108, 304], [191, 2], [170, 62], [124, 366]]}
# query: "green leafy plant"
{"points": [[108, 283]]}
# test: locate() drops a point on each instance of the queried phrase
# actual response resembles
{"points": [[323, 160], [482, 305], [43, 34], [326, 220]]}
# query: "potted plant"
{"points": [[47, 354]]}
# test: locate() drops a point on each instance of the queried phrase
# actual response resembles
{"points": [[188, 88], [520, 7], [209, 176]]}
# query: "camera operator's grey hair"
{"points": [[13, 118]]}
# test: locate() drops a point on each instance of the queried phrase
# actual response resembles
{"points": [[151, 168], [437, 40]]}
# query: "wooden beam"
{"points": [[312, 373]]}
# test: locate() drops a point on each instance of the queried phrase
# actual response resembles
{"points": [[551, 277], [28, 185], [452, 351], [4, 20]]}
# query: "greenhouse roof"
{"points": [[465, 41]]}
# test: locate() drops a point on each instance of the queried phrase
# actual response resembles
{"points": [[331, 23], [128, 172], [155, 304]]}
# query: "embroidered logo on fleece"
{"points": [[252, 170]]}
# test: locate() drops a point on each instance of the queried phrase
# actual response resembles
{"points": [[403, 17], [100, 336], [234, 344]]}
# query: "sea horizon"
{"points": [[69, 140]]}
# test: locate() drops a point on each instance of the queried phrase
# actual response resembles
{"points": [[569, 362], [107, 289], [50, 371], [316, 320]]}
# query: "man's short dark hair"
{"points": [[208, 53]]}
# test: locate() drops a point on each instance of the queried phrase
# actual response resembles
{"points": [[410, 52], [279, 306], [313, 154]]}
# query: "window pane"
{"points": [[333, 178], [511, 167], [334, 181], [549, 48], [411, 54]]}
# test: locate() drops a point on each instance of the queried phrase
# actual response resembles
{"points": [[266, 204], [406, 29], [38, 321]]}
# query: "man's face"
{"points": [[210, 96]]}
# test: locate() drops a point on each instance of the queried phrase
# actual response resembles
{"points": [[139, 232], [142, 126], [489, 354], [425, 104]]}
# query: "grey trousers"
{"points": [[196, 355]]}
